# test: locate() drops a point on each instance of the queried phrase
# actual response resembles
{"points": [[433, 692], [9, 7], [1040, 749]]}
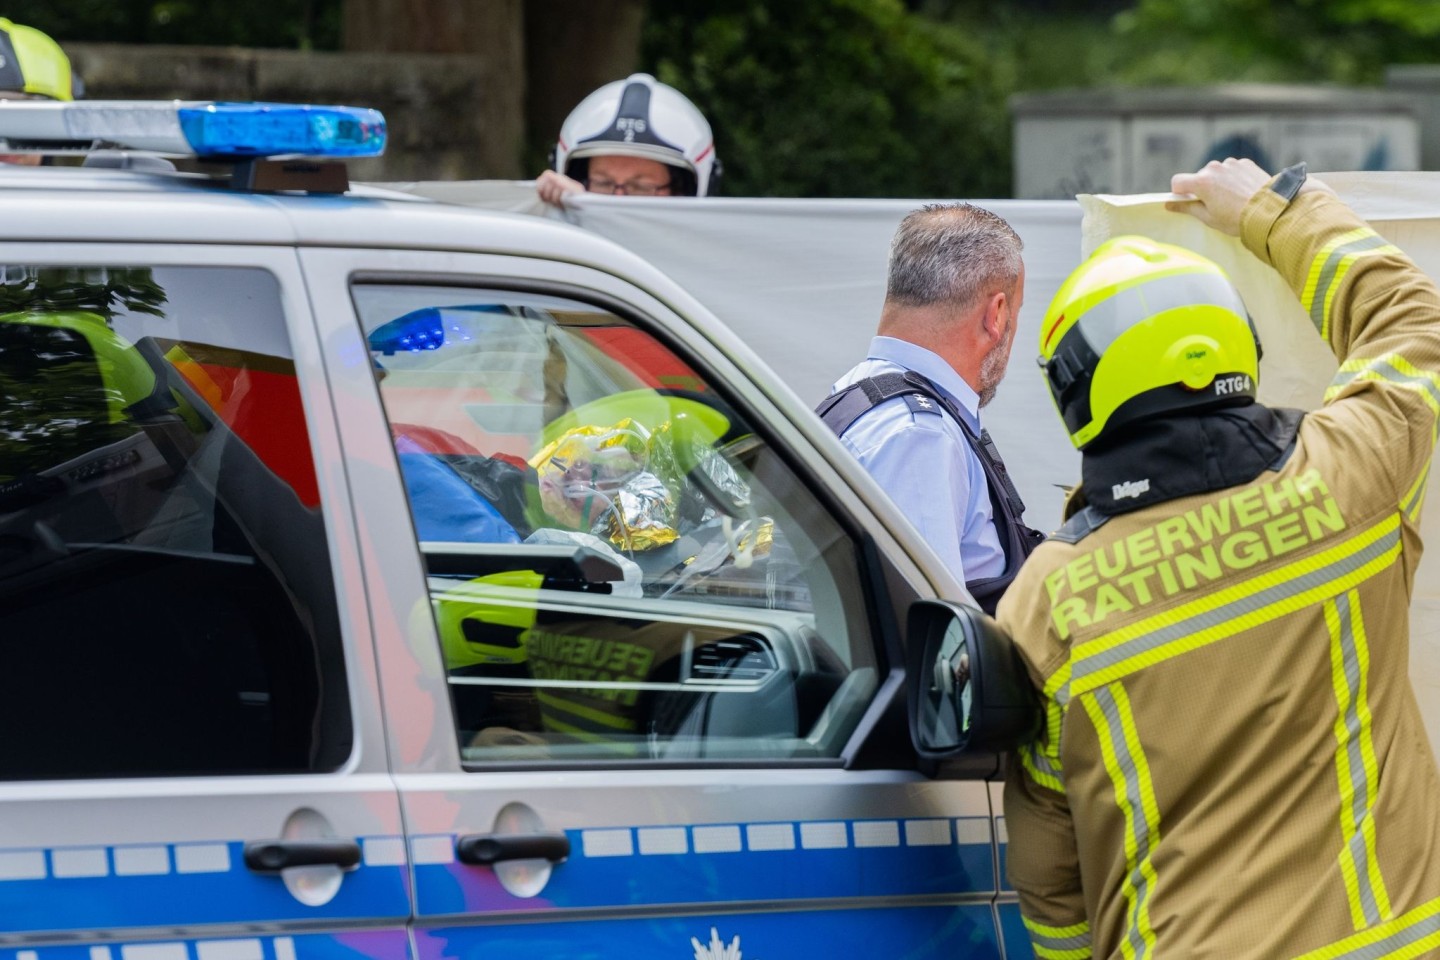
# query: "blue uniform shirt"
{"points": [[924, 462]]}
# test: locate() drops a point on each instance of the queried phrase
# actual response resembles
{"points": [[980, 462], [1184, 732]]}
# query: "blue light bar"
{"points": [[268, 129]]}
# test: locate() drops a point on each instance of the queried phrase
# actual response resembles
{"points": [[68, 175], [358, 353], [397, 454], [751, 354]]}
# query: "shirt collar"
{"points": [[928, 364]]}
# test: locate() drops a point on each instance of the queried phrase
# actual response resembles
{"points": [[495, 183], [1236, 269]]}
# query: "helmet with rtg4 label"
{"points": [[1144, 328]]}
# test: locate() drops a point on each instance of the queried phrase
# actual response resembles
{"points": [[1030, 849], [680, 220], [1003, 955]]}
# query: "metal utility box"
{"points": [[1419, 84], [1132, 141]]}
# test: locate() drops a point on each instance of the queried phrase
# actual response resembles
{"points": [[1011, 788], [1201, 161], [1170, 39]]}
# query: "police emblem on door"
{"points": [[717, 949]]}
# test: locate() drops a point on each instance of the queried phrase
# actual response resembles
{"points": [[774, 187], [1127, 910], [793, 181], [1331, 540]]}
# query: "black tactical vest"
{"points": [[843, 408]]}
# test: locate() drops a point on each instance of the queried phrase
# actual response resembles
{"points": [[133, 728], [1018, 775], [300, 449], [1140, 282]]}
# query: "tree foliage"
{"points": [[302, 24], [98, 290], [854, 98], [1343, 41]]}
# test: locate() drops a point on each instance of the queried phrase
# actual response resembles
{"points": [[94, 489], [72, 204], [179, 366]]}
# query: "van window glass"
{"points": [[620, 565], [166, 599]]}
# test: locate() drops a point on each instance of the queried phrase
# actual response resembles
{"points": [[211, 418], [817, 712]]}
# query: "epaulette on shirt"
{"points": [[919, 403]]}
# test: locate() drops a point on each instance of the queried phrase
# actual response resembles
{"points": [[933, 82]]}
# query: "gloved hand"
{"points": [[1221, 191]]}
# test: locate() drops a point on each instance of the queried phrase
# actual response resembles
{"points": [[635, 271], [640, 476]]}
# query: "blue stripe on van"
{"points": [[719, 863], [160, 885], [909, 933], [1013, 932], [1003, 836]]}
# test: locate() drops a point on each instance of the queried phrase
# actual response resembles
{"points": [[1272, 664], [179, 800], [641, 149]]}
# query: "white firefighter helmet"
{"points": [[641, 117]]}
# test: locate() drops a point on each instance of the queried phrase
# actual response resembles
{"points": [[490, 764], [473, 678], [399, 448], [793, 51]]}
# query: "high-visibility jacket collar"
{"points": [[1178, 456]]}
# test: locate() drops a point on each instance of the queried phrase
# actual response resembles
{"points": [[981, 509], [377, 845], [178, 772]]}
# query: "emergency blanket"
{"points": [[1297, 365]]}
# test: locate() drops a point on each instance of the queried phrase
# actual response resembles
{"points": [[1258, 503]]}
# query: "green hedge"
{"points": [[837, 98]]}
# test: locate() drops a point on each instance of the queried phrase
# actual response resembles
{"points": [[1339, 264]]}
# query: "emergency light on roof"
{"points": [[190, 128]]}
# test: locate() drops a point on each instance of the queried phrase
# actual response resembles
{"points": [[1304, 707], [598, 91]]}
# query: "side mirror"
{"points": [[968, 689]]}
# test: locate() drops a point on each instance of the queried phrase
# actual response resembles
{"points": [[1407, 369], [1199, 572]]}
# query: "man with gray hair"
{"points": [[910, 412]]}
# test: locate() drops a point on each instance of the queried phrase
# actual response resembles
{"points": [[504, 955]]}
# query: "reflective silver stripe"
{"points": [[1410, 505], [1142, 830], [1360, 801], [1393, 944], [1106, 320], [1080, 942], [1040, 768], [584, 720], [1043, 763], [1386, 370], [1041, 758], [1332, 266], [1085, 666]]}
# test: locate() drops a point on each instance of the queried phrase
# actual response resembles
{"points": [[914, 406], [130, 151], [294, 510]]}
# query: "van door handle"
{"points": [[483, 848], [272, 856]]}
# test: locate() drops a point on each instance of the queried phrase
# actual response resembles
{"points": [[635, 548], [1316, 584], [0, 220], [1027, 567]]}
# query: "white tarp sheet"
{"points": [[802, 282], [1297, 366]]}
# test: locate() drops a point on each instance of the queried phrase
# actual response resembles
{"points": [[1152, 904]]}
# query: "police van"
{"points": [[384, 579]]}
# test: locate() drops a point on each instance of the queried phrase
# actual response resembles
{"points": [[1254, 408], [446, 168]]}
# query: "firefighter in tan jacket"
{"points": [[1233, 763]]}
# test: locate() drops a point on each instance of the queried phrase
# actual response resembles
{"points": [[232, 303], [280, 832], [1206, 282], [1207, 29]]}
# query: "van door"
{"points": [[640, 666], [192, 766]]}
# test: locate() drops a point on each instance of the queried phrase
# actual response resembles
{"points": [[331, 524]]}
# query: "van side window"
{"points": [[166, 597], [620, 565]]}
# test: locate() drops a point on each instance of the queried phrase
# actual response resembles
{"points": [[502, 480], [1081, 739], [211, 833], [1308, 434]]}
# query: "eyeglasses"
{"points": [[633, 188]]}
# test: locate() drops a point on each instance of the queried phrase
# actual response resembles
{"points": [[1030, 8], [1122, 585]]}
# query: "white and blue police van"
{"points": [[386, 580]]}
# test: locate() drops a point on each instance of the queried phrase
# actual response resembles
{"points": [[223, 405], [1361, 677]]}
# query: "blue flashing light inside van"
{"points": [[268, 129], [431, 328]]}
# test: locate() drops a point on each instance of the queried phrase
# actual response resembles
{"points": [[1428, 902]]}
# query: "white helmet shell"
{"points": [[640, 117]]}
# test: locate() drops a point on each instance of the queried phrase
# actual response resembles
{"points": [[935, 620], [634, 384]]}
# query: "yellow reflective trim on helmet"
{"points": [[1407, 937], [1111, 269], [1083, 304], [1355, 748], [1109, 710]]}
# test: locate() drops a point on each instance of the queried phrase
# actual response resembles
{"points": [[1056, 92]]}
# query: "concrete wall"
{"points": [[450, 116], [1420, 84], [1131, 141]]}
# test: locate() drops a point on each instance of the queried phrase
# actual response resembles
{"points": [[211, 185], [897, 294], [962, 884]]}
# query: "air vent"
{"points": [[743, 657]]}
